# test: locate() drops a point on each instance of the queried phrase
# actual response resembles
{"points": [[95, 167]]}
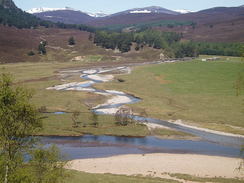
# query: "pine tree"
{"points": [[71, 41], [90, 37]]}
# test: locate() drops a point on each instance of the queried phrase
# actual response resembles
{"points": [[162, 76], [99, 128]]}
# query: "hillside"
{"points": [[219, 24], [19, 42], [215, 25], [10, 15], [8, 4]]}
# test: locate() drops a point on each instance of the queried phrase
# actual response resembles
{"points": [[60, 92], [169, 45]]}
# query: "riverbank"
{"points": [[157, 165]]}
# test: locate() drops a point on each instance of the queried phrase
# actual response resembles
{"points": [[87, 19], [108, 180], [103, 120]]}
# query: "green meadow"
{"points": [[206, 94]]}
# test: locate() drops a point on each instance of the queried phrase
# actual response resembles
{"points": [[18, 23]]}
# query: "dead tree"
{"points": [[123, 116]]}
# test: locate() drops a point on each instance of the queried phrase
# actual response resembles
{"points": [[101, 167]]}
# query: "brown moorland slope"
{"points": [[229, 31], [16, 43]]}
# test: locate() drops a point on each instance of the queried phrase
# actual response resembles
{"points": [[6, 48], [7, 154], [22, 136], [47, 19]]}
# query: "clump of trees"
{"points": [[19, 120], [123, 41], [186, 49]]}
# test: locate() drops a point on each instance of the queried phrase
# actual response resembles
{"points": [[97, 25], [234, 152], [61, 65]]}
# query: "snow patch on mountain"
{"points": [[184, 11], [43, 9], [98, 14], [141, 11]]}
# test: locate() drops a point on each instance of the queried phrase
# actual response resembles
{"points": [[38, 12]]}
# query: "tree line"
{"points": [[169, 41], [225, 49]]}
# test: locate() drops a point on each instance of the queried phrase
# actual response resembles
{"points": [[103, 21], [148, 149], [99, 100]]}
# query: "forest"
{"points": [[171, 42]]}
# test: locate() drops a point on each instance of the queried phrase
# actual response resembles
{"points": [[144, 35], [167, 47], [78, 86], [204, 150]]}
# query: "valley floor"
{"points": [[202, 94]]}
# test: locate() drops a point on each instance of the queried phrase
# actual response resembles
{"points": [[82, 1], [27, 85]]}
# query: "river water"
{"points": [[90, 146]]}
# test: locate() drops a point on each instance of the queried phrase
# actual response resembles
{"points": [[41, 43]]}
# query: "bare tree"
{"points": [[94, 119], [123, 116], [74, 118]]}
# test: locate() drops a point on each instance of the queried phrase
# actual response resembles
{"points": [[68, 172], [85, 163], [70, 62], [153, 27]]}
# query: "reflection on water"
{"points": [[90, 146]]}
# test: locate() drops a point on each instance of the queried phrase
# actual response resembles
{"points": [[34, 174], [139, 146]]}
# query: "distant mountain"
{"points": [[43, 10], [225, 10], [147, 10], [65, 16]]}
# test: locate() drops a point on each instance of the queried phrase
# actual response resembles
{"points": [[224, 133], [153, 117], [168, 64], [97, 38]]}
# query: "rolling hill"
{"points": [[221, 24]]}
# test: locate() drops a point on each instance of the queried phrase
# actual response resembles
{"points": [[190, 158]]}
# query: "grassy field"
{"points": [[38, 76], [81, 177], [202, 93], [201, 179], [198, 92], [171, 134]]}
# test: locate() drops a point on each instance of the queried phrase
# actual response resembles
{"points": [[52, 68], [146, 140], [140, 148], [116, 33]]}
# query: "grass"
{"points": [[198, 92], [202, 93], [78, 177], [62, 125], [168, 133], [201, 179], [39, 76]]}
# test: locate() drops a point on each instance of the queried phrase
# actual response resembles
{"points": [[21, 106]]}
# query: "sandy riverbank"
{"points": [[158, 164], [181, 123]]}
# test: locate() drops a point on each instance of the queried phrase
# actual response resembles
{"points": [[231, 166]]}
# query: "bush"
{"points": [[31, 53], [71, 41]]}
